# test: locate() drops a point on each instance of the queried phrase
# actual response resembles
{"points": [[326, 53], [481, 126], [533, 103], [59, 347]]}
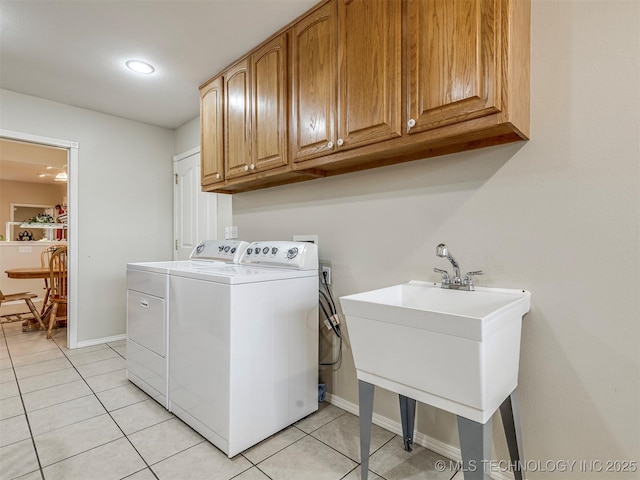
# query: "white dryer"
{"points": [[148, 309], [244, 344]]}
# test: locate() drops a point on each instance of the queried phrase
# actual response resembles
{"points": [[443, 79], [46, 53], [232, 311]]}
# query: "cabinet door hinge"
{"points": [[176, 244], [176, 175]]}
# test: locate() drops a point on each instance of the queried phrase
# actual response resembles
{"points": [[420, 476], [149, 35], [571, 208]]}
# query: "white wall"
{"points": [[125, 202], [187, 136], [558, 215]]}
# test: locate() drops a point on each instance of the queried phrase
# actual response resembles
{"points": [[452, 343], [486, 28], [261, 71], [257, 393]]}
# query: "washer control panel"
{"points": [[296, 255], [228, 251]]}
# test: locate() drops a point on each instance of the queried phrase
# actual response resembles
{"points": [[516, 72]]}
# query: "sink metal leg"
{"points": [[510, 413], [475, 445], [408, 416], [365, 394]]}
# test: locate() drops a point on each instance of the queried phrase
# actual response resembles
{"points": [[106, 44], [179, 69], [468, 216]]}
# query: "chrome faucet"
{"points": [[455, 282]]}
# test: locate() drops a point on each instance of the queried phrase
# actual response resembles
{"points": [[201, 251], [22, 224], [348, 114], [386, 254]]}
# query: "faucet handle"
{"points": [[476, 272], [445, 275], [469, 281]]}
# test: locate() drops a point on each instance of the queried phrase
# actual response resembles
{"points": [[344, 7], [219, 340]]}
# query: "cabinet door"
{"points": [[269, 105], [237, 132], [370, 71], [211, 133], [453, 61], [314, 60]]}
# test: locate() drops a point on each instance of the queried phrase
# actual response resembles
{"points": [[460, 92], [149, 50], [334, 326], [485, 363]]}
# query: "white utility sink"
{"points": [[455, 350]]}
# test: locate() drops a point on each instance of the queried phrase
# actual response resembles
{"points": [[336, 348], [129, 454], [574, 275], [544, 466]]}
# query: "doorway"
{"points": [[72, 219]]}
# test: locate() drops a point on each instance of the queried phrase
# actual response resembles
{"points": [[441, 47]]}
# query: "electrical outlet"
{"points": [[230, 233], [326, 272]]}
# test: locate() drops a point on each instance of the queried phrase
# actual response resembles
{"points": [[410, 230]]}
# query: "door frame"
{"points": [[72, 219]]}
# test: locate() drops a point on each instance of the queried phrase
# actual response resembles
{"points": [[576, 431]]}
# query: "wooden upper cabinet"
{"points": [[346, 77], [357, 84], [453, 61], [237, 116], [211, 132], [370, 71], [269, 105], [314, 69]]}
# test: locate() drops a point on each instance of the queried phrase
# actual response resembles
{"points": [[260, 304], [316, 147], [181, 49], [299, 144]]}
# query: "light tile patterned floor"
{"points": [[72, 414]]}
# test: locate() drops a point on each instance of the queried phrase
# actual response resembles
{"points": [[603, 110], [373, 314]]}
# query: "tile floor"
{"points": [[72, 414]]}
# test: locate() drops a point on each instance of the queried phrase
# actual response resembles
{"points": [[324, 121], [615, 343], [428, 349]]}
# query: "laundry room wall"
{"points": [[557, 215], [125, 205], [187, 136]]}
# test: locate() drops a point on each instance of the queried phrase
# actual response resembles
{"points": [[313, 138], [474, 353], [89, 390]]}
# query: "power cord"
{"points": [[331, 318]]}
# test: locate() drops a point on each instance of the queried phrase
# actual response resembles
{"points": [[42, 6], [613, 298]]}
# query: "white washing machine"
{"points": [[148, 310], [244, 344]]}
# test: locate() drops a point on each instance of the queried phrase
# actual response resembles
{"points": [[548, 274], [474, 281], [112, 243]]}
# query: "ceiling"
{"points": [[29, 162], [74, 51]]}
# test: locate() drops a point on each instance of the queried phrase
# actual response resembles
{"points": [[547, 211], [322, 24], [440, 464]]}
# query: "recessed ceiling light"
{"points": [[140, 67]]}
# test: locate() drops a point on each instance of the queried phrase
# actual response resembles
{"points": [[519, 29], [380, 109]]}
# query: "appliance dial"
{"points": [[249, 251], [292, 253], [274, 250], [226, 249], [233, 249], [265, 250]]}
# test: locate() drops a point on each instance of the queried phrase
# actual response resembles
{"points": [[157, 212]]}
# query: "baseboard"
{"points": [[100, 341], [444, 449]]}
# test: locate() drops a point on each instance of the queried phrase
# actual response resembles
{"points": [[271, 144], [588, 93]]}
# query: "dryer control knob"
{"points": [[292, 253]]}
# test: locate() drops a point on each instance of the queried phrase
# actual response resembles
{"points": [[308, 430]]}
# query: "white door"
{"points": [[198, 215]]}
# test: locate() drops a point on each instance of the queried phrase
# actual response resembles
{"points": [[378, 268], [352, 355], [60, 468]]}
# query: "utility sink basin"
{"points": [[455, 350]]}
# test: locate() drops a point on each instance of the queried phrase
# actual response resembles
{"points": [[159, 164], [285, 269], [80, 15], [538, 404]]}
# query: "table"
{"points": [[30, 273]]}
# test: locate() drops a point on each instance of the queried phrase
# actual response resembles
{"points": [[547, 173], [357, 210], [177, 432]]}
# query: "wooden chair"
{"points": [[27, 297], [57, 283], [45, 257]]}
